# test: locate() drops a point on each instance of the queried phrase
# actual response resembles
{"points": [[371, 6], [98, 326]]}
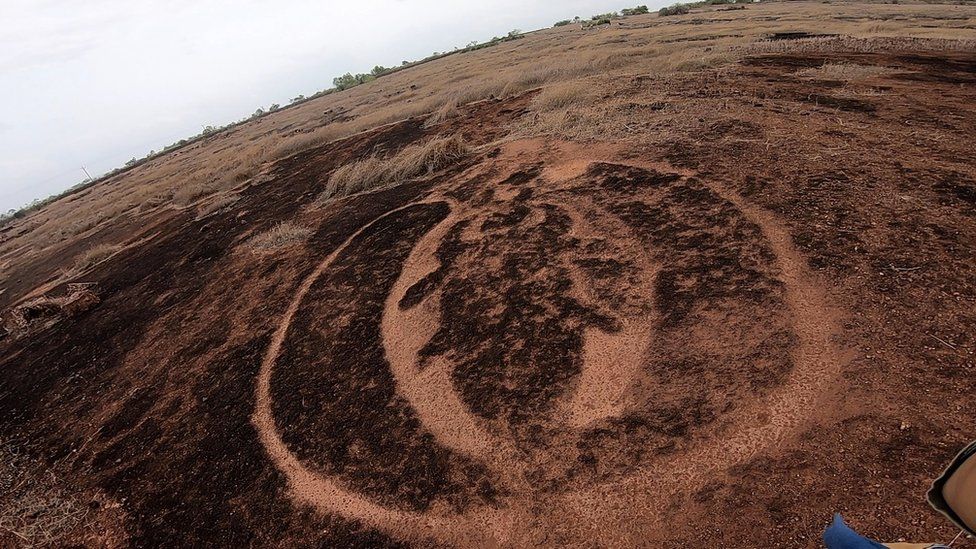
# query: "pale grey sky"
{"points": [[96, 82]]}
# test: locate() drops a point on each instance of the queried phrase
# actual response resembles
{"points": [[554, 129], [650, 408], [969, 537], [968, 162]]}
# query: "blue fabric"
{"points": [[840, 536]]}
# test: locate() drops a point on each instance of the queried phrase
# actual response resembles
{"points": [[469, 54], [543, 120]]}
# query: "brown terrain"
{"points": [[684, 281]]}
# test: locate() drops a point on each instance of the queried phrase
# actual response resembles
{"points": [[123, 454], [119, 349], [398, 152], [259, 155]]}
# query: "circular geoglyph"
{"points": [[549, 353]]}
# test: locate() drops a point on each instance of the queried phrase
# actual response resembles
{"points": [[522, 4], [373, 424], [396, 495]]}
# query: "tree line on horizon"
{"points": [[339, 83]]}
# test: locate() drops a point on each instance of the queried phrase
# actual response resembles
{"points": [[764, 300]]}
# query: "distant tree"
{"points": [[349, 80], [562, 23], [378, 70], [405, 63], [677, 9], [274, 107], [297, 98], [639, 10], [514, 33], [345, 81], [258, 112]]}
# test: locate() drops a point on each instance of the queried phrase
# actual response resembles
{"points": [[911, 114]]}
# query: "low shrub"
{"points": [[374, 172], [280, 236], [605, 16]]}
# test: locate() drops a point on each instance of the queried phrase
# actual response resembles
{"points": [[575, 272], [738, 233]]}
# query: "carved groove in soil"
{"points": [[600, 513]]}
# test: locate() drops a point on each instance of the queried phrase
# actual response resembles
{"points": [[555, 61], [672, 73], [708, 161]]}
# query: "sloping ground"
{"points": [[747, 307]]}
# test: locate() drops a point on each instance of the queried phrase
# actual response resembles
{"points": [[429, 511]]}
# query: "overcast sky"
{"points": [[96, 82]]}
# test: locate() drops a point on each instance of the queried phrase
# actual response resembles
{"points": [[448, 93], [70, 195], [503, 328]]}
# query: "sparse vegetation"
{"points": [[95, 255], [280, 236], [847, 72], [676, 9], [349, 80], [681, 9], [375, 172], [193, 190], [639, 10], [418, 92], [198, 187], [307, 141], [562, 95], [605, 16], [33, 507], [217, 204], [344, 82], [446, 112]]}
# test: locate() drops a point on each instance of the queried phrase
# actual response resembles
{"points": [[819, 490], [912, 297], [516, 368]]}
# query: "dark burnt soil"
{"points": [[148, 396], [514, 331], [160, 393], [336, 401], [880, 205]]}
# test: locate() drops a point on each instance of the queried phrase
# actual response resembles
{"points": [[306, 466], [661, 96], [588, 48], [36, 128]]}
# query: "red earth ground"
{"points": [[714, 338]]}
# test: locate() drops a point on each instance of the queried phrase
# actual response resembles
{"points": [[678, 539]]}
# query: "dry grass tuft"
{"points": [[356, 177], [470, 94], [848, 72], [529, 81], [32, 506], [280, 236], [561, 96], [216, 205], [192, 191], [479, 91], [428, 157], [198, 187], [307, 141], [94, 255], [371, 121], [375, 172], [448, 111]]}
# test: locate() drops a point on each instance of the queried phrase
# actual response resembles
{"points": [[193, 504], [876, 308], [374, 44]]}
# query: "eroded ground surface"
{"points": [[716, 335]]}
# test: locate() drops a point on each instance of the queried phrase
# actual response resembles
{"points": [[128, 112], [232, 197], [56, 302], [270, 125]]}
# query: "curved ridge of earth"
{"points": [[428, 391]]}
